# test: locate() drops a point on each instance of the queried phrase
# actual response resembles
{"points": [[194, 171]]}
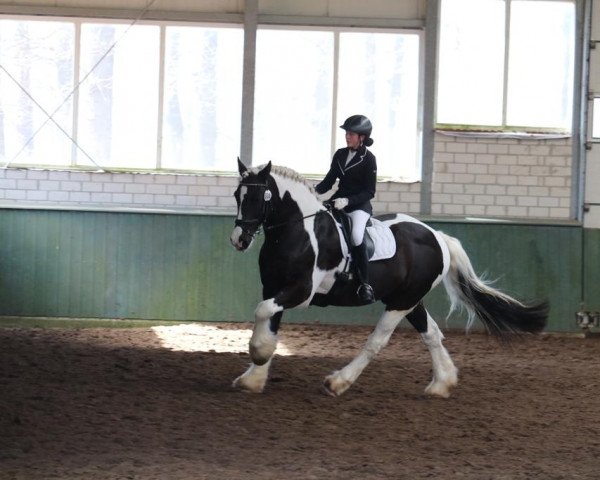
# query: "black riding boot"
{"points": [[361, 264]]}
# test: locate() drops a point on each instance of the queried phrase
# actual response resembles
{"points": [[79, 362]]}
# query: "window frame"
{"points": [[416, 175], [225, 22], [505, 130], [77, 22]]}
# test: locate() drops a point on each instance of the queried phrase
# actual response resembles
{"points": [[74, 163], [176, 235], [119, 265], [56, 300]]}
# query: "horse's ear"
{"points": [[241, 167], [265, 171]]}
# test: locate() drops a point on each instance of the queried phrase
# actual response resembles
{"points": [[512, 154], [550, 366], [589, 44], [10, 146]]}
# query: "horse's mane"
{"points": [[286, 172]]}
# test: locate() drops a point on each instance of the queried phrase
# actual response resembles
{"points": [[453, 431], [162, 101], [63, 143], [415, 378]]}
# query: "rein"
{"points": [[277, 225]]}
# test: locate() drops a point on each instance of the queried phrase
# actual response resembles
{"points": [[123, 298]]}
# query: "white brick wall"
{"points": [[395, 197], [489, 177], [20, 187], [189, 193], [502, 177]]}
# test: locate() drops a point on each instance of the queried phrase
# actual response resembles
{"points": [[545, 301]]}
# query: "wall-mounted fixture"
{"points": [[586, 321]]}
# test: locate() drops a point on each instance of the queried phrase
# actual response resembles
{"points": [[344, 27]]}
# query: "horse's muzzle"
{"points": [[240, 239]]}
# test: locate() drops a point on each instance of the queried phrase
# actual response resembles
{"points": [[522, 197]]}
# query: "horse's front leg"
{"points": [[340, 381], [264, 335], [267, 318], [262, 347]]}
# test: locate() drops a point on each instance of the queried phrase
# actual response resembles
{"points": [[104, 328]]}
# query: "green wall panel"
{"points": [[591, 269], [182, 267], [122, 265], [529, 262]]}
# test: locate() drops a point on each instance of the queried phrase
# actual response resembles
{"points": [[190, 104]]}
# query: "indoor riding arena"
{"points": [[178, 302]]}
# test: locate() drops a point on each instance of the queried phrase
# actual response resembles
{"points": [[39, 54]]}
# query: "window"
{"points": [[36, 79], [202, 112], [309, 81], [118, 101], [294, 98], [152, 95], [384, 83], [516, 81], [127, 105]]}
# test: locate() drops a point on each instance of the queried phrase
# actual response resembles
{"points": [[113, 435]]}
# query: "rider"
{"points": [[356, 168]]}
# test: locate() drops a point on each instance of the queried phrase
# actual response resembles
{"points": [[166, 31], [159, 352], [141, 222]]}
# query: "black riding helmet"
{"points": [[361, 125]]}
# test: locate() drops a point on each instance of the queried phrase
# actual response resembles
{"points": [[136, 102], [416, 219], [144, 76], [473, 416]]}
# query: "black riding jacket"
{"points": [[358, 179]]}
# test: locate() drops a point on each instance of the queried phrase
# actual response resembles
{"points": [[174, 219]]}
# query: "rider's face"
{"points": [[353, 140]]}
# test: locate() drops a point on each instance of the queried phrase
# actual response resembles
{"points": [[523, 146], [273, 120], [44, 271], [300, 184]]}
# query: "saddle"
{"points": [[379, 239]]}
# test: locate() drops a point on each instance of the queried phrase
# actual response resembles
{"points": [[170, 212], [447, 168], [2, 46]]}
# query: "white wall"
{"points": [[502, 177], [472, 177]]}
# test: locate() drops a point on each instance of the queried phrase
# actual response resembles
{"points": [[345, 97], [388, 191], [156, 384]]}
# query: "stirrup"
{"points": [[365, 293]]}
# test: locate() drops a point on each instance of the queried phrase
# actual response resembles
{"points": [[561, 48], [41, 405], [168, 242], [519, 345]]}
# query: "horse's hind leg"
{"points": [[445, 374], [338, 382]]}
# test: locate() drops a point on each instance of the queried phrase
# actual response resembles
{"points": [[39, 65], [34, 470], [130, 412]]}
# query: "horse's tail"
{"points": [[500, 313]]}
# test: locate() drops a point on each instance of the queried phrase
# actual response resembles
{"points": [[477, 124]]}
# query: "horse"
{"points": [[301, 259]]}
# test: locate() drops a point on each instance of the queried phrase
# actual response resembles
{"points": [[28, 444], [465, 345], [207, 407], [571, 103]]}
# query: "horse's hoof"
{"points": [[453, 378], [242, 383], [334, 385], [438, 389], [326, 390]]}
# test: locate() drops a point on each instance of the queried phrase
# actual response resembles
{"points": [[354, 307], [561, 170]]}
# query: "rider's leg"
{"points": [[359, 254]]}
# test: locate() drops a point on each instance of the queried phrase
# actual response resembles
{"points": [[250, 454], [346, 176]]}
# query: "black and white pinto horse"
{"points": [[302, 252]]}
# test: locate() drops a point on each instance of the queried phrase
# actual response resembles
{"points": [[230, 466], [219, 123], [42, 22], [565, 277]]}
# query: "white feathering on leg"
{"points": [[445, 374]]}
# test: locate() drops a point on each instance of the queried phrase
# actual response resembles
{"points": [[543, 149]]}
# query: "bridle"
{"points": [[267, 208]]}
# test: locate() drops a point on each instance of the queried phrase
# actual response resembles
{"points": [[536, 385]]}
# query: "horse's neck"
{"points": [[300, 194], [295, 201]]}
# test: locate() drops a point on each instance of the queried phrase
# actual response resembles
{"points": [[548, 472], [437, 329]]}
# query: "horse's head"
{"points": [[254, 199]]}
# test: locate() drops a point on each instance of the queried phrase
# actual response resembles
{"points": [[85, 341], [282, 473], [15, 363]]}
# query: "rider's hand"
{"points": [[340, 203]]}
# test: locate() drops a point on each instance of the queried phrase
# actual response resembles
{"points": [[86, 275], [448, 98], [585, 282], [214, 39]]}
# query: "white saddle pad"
{"points": [[383, 238]]}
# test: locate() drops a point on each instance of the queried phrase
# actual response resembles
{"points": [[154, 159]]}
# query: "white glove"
{"points": [[340, 203]]}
